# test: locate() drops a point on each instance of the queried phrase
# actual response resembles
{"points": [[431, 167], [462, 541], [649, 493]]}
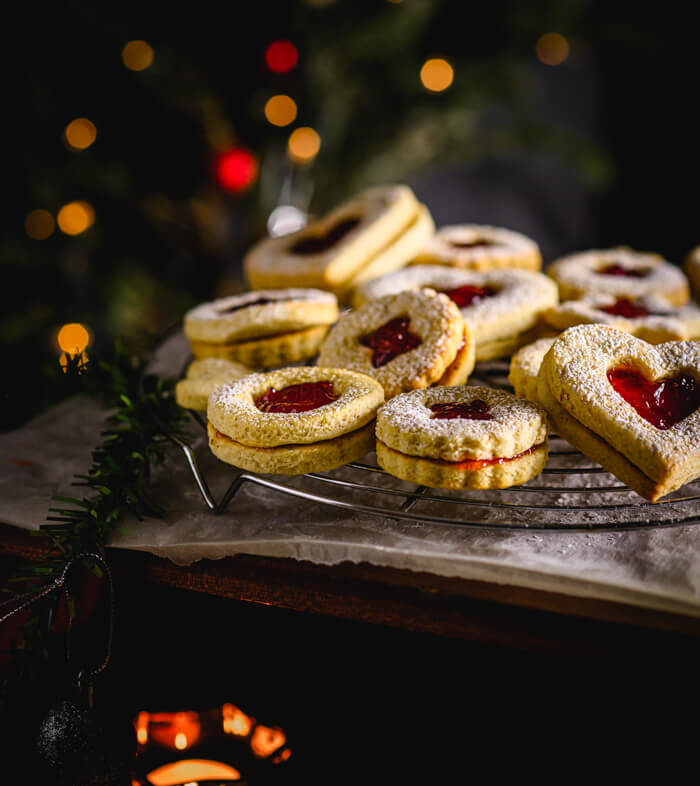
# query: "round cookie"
{"points": [[462, 437], [649, 317], [262, 329], [501, 307], [480, 247], [378, 230], [525, 366], [692, 271], [404, 341], [294, 420], [202, 379], [621, 272]]}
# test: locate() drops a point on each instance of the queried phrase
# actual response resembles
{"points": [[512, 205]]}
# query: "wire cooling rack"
{"points": [[572, 493]]}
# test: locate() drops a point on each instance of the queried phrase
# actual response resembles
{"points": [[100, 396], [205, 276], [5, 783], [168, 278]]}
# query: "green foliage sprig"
{"points": [[143, 415]]}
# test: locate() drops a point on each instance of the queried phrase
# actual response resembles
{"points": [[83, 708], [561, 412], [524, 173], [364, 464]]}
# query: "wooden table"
{"points": [[497, 615]]}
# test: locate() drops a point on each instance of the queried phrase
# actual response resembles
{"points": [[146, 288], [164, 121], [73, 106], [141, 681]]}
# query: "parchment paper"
{"points": [[657, 568]]}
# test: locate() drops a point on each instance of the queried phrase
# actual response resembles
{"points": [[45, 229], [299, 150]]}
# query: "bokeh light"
{"points": [[303, 145], [137, 55], [236, 169], [281, 110], [281, 56], [75, 217], [552, 49], [436, 74], [73, 338], [39, 224], [80, 133]]}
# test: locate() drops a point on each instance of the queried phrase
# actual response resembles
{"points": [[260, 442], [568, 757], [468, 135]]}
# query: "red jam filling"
{"points": [[261, 301], [623, 307], [468, 294], [663, 402], [478, 243], [616, 269], [297, 398], [467, 410], [391, 339], [473, 464], [315, 244]]}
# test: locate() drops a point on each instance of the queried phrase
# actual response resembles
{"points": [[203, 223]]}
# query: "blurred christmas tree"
{"points": [[150, 143]]}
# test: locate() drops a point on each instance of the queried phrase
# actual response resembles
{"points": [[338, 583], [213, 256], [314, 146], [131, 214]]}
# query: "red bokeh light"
{"points": [[236, 169], [281, 56]]}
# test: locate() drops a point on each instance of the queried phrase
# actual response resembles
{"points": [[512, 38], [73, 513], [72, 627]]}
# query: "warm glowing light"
{"points": [[75, 217], [82, 361], [80, 133], [178, 730], [281, 110], [282, 756], [266, 740], [189, 770], [236, 722], [436, 74], [303, 145], [39, 224], [281, 56], [73, 338], [137, 55], [552, 49], [142, 728], [236, 169]]}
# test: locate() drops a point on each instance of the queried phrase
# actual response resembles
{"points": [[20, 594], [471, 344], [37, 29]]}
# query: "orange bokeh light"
{"points": [[235, 721], [137, 55], [73, 338], [39, 224], [80, 133], [436, 74], [303, 145], [552, 49], [266, 740], [75, 217], [177, 730], [280, 110]]}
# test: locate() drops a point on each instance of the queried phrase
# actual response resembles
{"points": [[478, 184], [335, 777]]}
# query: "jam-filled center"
{"points": [[390, 340], [261, 301], [616, 269], [478, 242], [315, 244], [623, 307], [663, 402], [469, 294], [297, 398], [477, 409]]}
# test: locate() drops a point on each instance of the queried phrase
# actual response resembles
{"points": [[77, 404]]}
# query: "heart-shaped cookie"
{"points": [[624, 402]]}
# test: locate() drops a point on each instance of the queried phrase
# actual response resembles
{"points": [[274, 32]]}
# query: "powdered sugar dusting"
{"points": [[506, 243]]}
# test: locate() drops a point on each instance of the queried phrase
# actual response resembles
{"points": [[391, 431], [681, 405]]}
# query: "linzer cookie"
{"points": [[620, 272], [502, 308], [525, 367], [376, 232], [649, 317], [462, 438], [692, 270], [202, 379], [629, 405], [294, 420], [262, 329], [480, 247], [405, 341]]}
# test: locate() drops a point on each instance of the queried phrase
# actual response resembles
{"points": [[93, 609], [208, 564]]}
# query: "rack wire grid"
{"points": [[572, 493]]}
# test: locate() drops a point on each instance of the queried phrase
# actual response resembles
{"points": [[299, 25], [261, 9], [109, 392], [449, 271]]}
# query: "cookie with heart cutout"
{"points": [[525, 367], [464, 437], [404, 341], [262, 329], [203, 377], [501, 307], [691, 266], [376, 231], [629, 405], [621, 272], [294, 420], [479, 247], [650, 317]]}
